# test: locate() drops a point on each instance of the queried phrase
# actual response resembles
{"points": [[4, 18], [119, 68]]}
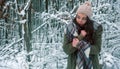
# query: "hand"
{"points": [[75, 42], [83, 33]]}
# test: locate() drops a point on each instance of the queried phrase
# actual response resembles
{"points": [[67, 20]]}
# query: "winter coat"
{"points": [[95, 49]]}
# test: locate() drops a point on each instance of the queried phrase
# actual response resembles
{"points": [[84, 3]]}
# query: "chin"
{"points": [[81, 24]]}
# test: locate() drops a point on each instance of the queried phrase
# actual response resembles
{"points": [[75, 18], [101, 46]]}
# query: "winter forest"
{"points": [[31, 32]]}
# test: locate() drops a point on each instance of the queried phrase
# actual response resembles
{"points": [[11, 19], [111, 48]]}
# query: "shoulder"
{"points": [[70, 26], [97, 26]]}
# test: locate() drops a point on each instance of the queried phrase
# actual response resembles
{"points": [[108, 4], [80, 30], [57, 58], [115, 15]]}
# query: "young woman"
{"points": [[82, 40]]}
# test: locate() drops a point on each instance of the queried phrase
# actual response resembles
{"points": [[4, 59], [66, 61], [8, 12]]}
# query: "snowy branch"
{"points": [[39, 27], [6, 47], [22, 21], [22, 12]]}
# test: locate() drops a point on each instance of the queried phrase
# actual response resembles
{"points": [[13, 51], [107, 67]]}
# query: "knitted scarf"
{"points": [[83, 59]]}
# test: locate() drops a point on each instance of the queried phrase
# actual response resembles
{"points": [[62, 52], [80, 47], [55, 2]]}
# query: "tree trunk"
{"points": [[46, 6], [28, 35]]}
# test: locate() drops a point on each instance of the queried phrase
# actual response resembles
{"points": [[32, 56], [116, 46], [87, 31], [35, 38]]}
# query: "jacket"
{"points": [[95, 49]]}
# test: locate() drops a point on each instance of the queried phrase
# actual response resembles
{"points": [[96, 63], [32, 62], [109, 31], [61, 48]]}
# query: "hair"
{"points": [[89, 28]]}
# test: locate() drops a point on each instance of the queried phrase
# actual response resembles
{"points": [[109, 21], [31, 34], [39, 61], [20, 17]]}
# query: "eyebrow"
{"points": [[79, 16]]}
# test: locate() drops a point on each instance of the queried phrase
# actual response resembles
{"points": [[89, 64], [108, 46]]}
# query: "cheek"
{"points": [[77, 20], [83, 22]]}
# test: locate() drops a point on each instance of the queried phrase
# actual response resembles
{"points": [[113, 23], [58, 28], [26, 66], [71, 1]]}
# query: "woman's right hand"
{"points": [[75, 42]]}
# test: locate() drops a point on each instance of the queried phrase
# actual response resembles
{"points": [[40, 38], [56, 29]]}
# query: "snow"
{"points": [[22, 13], [47, 38], [22, 21]]}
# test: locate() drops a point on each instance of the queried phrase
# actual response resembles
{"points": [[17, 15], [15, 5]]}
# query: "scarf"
{"points": [[71, 31], [83, 59]]}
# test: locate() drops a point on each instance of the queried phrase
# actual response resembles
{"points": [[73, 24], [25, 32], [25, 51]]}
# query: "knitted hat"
{"points": [[85, 9]]}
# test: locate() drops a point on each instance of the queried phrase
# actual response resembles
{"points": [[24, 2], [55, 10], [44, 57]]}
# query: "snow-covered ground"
{"points": [[47, 38]]}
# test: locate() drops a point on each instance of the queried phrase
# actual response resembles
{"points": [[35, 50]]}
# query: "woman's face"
{"points": [[81, 19]]}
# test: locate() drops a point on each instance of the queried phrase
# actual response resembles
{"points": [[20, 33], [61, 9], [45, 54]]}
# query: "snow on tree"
{"points": [[33, 30]]}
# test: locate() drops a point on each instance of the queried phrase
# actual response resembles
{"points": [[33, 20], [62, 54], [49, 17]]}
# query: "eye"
{"points": [[84, 18], [78, 17]]}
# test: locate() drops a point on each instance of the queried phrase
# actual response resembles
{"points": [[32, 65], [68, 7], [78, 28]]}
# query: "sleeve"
{"points": [[95, 49], [67, 45]]}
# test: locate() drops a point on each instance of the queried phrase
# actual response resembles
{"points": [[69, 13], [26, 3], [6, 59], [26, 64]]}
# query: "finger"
{"points": [[74, 39], [77, 39]]}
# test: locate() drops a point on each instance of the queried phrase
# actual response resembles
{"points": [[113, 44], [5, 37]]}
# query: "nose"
{"points": [[80, 20]]}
